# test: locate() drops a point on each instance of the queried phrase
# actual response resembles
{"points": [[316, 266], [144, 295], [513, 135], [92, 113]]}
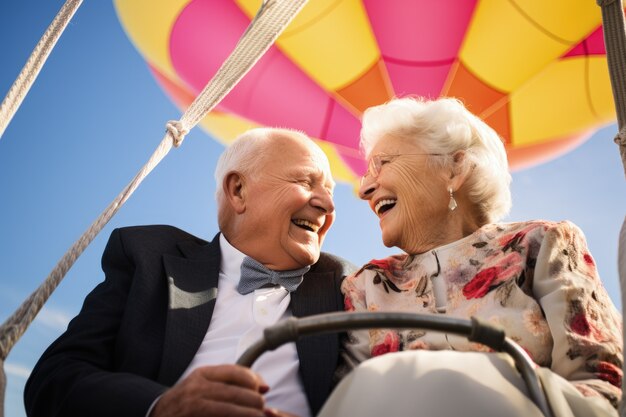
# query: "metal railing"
{"points": [[293, 328]]}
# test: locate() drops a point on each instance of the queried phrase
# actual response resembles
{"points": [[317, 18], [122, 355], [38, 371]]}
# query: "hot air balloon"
{"points": [[535, 71]]}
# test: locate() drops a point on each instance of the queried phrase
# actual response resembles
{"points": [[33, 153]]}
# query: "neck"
{"points": [[453, 226]]}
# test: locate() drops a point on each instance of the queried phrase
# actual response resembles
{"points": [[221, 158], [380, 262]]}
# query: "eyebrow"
{"points": [[303, 170], [316, 172]]}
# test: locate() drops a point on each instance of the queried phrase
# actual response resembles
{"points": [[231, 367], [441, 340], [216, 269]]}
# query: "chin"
{"points": [[299, 257], [388, 241], [308, 256]]}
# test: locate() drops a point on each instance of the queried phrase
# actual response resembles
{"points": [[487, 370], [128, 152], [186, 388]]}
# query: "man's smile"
{"points": [[306, 225]]}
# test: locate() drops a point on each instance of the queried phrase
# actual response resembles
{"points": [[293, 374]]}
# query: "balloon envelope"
{"points": [[535, 71]]}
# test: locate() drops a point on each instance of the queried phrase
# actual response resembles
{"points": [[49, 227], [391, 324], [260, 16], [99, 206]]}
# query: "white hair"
{"points": [[246, 154], [445, 126]]}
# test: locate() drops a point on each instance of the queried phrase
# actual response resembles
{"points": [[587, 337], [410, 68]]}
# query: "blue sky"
{"points": [[95, 115]]}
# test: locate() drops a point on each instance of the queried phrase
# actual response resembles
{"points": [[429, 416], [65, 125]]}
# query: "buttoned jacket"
{"points": [[139, 329]]}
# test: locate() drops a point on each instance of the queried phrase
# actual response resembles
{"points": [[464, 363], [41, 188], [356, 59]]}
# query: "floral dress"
{"points": [[535, 279]]}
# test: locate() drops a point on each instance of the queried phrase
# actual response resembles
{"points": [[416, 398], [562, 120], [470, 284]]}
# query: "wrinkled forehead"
{"points": [[394, 145], [319, 158], [320, 164], [302, 141], [298, 149]]}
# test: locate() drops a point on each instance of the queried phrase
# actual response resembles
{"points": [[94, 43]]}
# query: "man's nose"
{"points": [[323, 200], [368, 186]]}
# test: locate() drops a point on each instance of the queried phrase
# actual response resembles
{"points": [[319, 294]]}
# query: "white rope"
{"points": [[273, 17], [270, 21], [614, 28], [35, 62], [257, 39]]}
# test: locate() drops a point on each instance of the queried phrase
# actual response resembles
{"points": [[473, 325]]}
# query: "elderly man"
{"points": [[160, 335]]}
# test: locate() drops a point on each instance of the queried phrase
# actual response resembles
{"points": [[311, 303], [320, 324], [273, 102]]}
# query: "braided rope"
{"points": [[615, 43], [35, 62], [272, 18], [13, 328], [3, 383], [257, 39]]}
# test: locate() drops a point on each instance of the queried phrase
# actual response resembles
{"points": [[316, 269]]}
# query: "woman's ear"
{"points": [[235, 191], [461, 168]]}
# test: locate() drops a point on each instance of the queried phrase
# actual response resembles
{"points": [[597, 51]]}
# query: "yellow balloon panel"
{"points": [[583, 16], [332, 41], [227, 127], [504, 48], [600, 89], [555, 103], [148, 24]]}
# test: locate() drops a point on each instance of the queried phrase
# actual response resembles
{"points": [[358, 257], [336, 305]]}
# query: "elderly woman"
{"points": [[438, 181]]}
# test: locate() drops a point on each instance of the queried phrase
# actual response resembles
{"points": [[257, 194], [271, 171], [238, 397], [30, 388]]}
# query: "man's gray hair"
{"points": [[445, 126], [246, 154]]}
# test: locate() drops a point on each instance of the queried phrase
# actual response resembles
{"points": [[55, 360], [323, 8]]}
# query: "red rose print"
{"points": [[580, 325], [348, 304], [610, 373], [479, 285], [518, 236], [588, 259], [381, 263], [510, 266], [390, 344], [380, 349]]}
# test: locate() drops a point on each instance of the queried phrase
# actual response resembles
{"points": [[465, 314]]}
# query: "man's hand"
{"points": [[224, 390]]}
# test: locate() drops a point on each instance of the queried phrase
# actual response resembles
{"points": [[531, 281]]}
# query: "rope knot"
{"points": [[620, 138], [177, 130]]}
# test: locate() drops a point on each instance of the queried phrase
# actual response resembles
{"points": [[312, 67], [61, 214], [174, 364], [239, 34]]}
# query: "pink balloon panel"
{"points": [[592, 45], [274, 93], [419, 64]]}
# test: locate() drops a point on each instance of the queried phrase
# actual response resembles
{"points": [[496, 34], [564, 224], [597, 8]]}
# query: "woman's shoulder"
{"points": [[533, 236], [537, 228]]}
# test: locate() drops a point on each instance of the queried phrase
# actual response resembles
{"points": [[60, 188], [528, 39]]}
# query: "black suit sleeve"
{"points": [[77, 375]]}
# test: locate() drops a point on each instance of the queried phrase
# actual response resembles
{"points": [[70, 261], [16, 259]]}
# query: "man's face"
{"points": [[289, 205]]}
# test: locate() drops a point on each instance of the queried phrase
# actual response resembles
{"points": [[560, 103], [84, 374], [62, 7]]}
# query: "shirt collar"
{"points": [[232, 258]]}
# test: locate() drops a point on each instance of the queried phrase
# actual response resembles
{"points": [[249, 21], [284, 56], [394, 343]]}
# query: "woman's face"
{"points": [[409, 195]]}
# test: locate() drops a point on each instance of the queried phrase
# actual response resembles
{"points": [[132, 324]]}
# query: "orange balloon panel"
{"points": [[537, 75]]}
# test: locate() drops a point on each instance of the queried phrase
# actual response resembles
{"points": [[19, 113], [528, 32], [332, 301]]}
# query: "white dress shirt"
{"points": [[238, 321]]}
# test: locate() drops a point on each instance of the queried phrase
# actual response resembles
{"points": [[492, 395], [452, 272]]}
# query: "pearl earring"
{"points": [[452, 204]]}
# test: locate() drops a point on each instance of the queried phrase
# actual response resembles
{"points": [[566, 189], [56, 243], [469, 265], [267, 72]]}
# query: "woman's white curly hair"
{"points": [[445, 126]]}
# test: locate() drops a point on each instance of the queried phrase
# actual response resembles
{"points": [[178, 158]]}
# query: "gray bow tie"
{"points": [[255, 275]]}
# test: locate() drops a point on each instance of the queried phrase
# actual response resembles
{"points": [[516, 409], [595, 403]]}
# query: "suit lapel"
{"points": [[318, 354], [316, 295], [192, 290]]}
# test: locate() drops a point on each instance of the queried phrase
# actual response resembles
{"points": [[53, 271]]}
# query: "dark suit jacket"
{"points": [[139, 329]]}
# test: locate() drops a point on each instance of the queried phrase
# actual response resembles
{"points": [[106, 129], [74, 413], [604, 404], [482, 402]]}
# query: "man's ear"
{"points": [[235, 191]]}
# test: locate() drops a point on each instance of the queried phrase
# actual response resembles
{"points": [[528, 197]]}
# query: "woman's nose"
{"points": [[368, 186]]}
